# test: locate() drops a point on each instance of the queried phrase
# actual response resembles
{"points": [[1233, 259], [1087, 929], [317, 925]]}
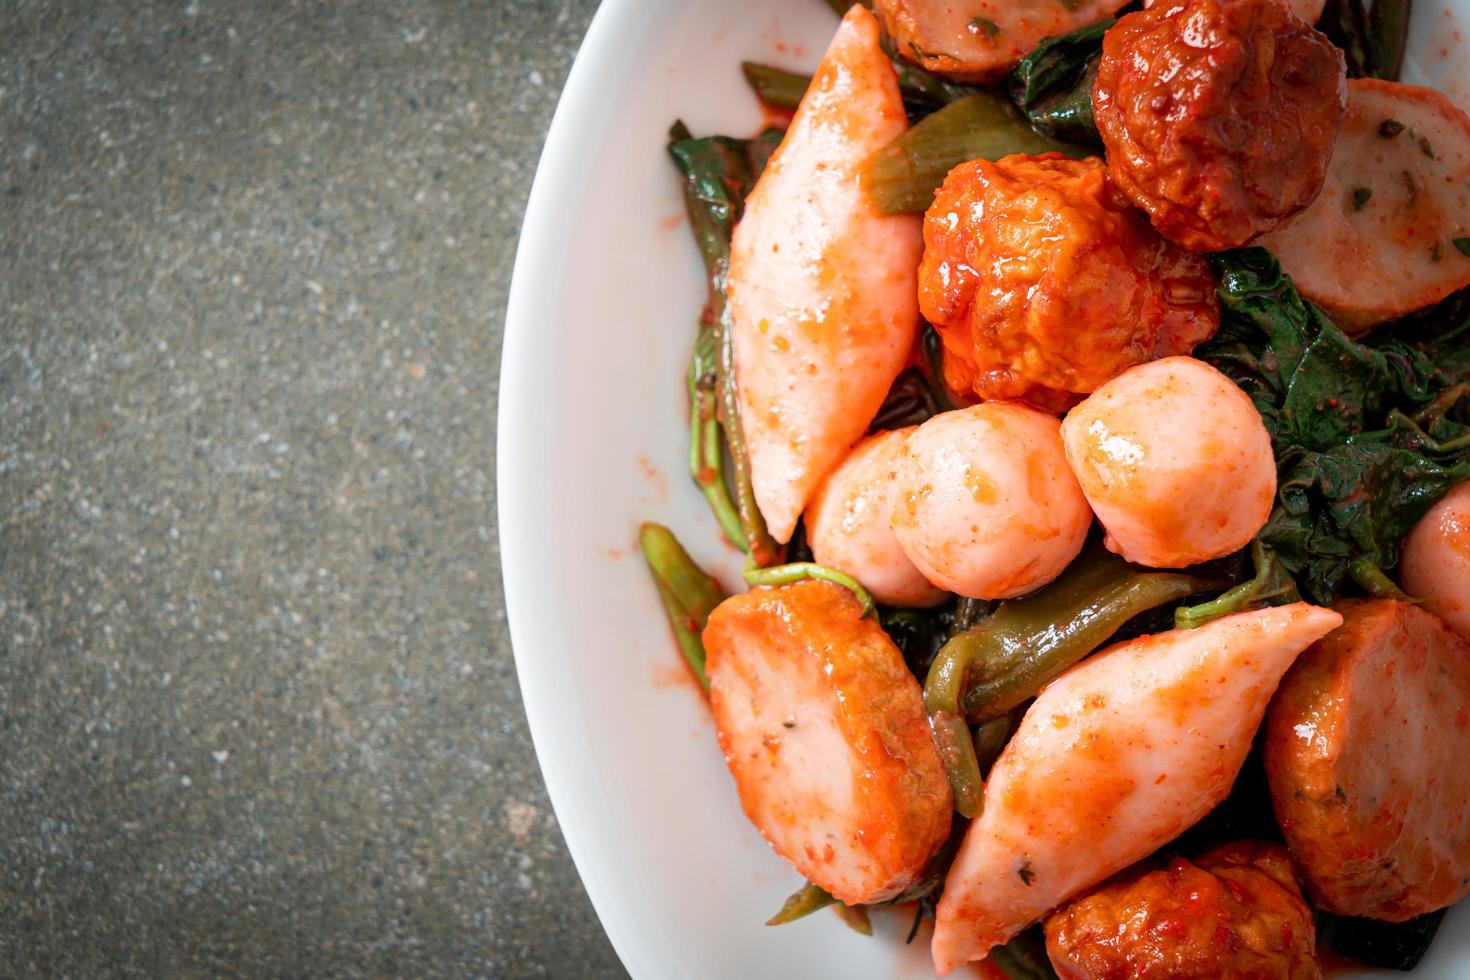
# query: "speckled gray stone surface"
{"points": [[257, 709]]}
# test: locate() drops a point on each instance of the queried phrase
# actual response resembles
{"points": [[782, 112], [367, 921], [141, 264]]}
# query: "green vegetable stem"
{"points": [[1052, 86], [1271, 586], [706, 440], [718, 172], [903, 176], [798, 571], [803, 902], [689, 594]]}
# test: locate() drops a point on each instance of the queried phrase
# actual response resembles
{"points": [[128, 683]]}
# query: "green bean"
{"points": [[902, 176], [798, 571], [689, 594], [1270, 586], [776, 87], [989, 669], [802, 903]]}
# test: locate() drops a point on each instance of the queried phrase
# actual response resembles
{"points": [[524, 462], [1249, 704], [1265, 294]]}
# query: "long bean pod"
{"points": [[688, 593], [902, 176]]}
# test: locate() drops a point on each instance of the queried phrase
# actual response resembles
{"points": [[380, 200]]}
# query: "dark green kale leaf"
{"points": [[718, 172], [1368, 434], [1052, 86]]}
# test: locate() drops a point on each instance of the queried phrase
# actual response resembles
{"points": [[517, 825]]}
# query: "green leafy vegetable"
{"points": [[1052, 86], [718, 172], [1365, 433], [776, 87], [1372, 35], [688, 593], [903, 176]]}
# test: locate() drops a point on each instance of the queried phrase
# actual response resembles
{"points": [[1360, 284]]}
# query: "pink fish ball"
{"points": [[1436, 561], [849, 525], [1174, 460], [985, 503]]}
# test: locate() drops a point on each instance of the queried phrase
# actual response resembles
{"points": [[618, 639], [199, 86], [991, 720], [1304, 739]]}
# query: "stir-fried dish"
{"points": [[1088, 388]]}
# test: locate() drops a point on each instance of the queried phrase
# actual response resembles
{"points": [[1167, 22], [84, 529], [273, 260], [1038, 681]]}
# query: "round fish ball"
{"points": [[1174, 460], [849, 524], [986, 505], [1436, 560]]}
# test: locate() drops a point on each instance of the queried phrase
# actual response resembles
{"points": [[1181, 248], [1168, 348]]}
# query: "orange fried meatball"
{"points": [[1218, 116], [1235, 912], [1044, 283]]}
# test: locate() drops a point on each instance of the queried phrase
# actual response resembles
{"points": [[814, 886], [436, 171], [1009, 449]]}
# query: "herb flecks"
{"points": [[1390, 128], [984, 25], [1426, 146], [1463, 244], [1026, 873], [1411, 187], [1436, 251], [1360, 197]]}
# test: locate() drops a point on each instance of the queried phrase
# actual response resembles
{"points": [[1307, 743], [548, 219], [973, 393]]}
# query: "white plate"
{"points": [[592, 441]]}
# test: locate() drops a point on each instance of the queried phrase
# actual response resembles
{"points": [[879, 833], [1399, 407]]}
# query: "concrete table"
{"points": [[257, 709]]}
